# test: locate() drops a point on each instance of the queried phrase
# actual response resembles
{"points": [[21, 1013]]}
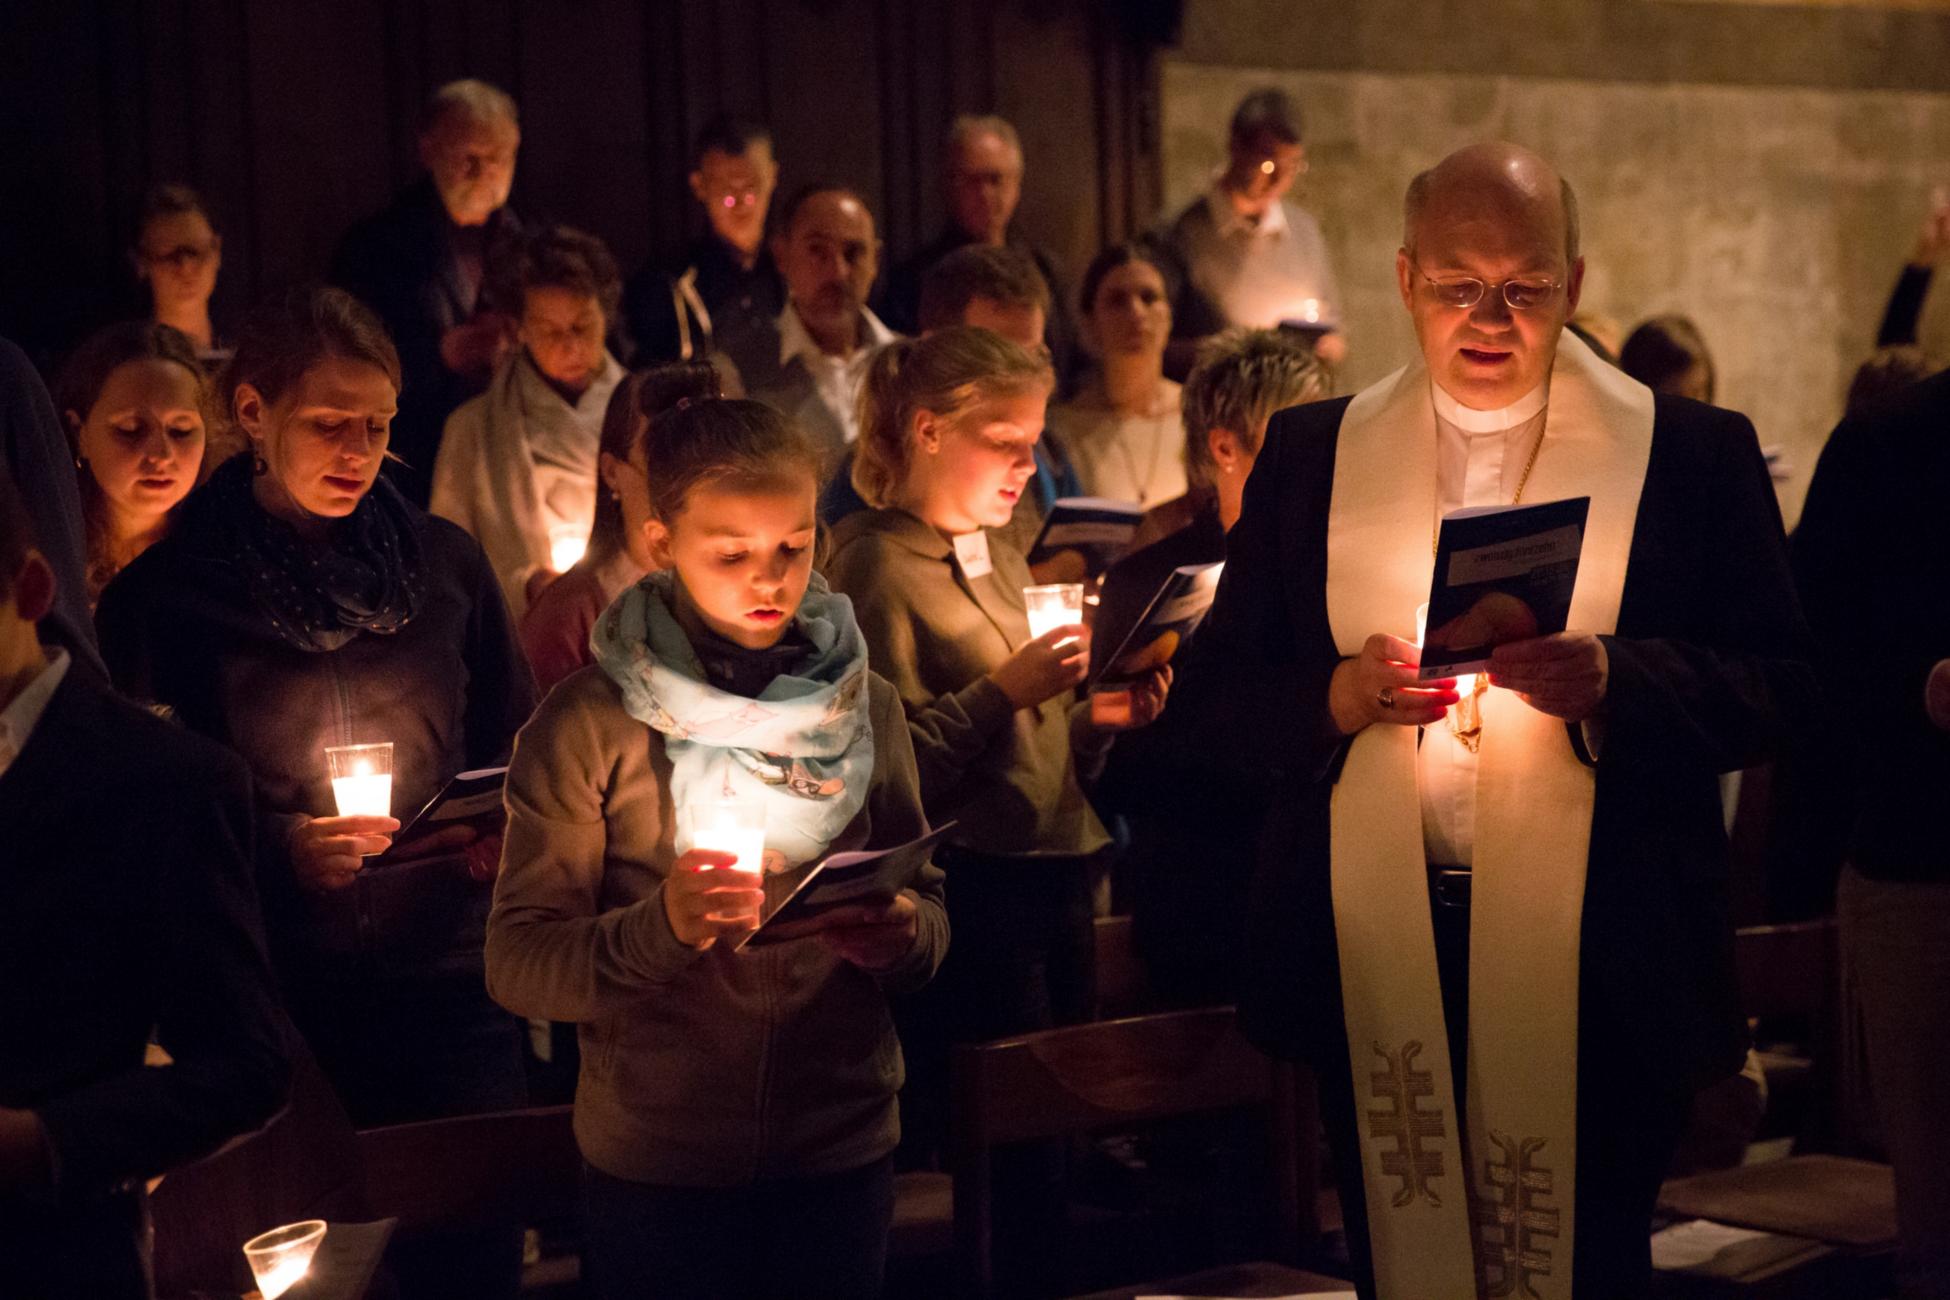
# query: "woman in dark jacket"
{"points": [[301, 602]]}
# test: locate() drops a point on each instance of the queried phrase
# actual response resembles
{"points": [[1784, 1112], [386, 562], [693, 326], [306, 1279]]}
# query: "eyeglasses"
{"points": [[1525, 293], [183, 257]]}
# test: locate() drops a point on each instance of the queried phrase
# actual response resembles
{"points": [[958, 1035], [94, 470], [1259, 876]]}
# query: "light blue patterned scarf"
{"points": [[803, 747]]}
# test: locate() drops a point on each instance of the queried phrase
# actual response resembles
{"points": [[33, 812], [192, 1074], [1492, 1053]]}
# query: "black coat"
{"points": [[734, 297], [1872, 554], [126, 905], [1710, 667], [401, 263], [449, 689]]}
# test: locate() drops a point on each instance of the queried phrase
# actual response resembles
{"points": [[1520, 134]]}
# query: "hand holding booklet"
{"points": [[1502, 574], [869, 878], [1173, 614], [470, 798]]}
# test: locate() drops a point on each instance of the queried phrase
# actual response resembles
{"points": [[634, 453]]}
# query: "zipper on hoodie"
{"points": [[360, 895], [768, 969]]}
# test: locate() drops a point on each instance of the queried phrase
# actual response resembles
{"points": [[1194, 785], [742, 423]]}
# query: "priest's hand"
{"points": [[1936, 694], [1564, 675], [1379, 685]]}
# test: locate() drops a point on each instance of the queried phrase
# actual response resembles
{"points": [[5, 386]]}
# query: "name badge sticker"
{"points": [[972, 554]]}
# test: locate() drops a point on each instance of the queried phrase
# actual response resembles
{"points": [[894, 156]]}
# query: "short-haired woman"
{"points": [[517, 464], [301, 602]]}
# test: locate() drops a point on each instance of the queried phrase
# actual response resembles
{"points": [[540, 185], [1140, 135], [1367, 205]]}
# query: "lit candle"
{"points": [[281, 1258], [565, 547], [734, 826], [362, 778], [1310, 311], [1058, 604]]}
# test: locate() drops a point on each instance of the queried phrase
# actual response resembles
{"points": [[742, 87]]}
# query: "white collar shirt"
{"points": [[23, 712], [1480, 456], [836, 379]]}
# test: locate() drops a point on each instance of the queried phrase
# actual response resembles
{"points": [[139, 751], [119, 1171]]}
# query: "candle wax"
{"points": [[367, 794], [747, 844], [281, 1276]]}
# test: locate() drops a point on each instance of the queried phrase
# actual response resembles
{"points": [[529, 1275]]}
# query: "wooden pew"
{"points": [[1112, 1073]]}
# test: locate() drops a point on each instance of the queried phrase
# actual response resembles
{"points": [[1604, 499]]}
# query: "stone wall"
{"points": [[1776, 216]]}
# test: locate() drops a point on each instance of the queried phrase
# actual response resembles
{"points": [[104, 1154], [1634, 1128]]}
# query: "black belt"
{"points": [[1449, 886]]}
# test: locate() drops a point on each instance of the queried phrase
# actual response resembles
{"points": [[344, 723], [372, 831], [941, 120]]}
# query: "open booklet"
{"points": [[868, 878], [469, 797], [1097, 528], [1173, 614], [1502, 573]]}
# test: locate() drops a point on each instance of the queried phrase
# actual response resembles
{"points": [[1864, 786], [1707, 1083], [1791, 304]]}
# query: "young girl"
{"points": [[948, 432], [736, 1109], [555, 630], [133, 398]]}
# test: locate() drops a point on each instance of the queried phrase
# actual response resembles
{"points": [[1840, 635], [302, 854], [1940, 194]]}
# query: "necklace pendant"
{"points": [[1466, 715]]}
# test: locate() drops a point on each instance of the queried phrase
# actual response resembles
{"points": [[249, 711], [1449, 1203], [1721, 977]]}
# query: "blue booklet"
{"points": [[1098, 528], [1502, 573]]}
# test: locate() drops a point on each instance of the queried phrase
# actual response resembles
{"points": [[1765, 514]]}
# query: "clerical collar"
{"points": [[1469, 420]]}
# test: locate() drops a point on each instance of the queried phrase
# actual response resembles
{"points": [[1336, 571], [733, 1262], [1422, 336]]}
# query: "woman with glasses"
{"points": [[517, 465], [176, 255]]}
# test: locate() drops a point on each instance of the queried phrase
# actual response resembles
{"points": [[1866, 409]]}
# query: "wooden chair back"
{"points": [[303, 1165], [1121, 985], [473, 1171], [1116, 1072]]}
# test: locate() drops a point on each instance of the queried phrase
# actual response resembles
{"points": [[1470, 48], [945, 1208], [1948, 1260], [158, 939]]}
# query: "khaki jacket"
{"points": [[1008, 775], [710, 1068]]}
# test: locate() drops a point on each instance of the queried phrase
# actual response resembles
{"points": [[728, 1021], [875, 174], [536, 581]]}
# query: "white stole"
{"points": [[1431, 1238]]}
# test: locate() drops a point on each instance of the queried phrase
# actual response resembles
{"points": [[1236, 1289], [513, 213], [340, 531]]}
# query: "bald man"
{"points": [[1506, 1064], [810, 360]]}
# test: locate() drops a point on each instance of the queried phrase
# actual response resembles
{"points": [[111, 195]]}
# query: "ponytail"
{"points": [[946, 373]]}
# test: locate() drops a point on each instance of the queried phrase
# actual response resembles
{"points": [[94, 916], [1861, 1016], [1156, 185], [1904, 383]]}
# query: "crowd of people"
{"points": [[738, 527]]}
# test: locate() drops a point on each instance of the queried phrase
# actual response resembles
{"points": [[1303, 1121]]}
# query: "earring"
{"points": [[259, 466]]}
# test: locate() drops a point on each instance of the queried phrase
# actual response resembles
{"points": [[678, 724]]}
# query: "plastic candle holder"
{"points": [[280, 1258], [362, 778], [734, 826], [1059, 604]]}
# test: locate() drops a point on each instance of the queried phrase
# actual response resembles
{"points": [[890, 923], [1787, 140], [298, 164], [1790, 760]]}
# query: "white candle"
{"points": [[364, 793], [281, 1258], [362, 778], [1058, 604], [564, 549], [747, 846], [733, 826], [281, 1277]]}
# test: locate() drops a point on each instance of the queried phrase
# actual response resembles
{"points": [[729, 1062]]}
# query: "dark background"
{"points": [[294, 119]]}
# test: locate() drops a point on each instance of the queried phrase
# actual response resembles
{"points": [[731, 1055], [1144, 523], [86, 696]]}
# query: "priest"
{"points": [[1493, 913]]}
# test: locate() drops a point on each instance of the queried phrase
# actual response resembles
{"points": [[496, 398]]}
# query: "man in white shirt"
{"points": [[1505, 1069], [1244, 254], [810, 362]]}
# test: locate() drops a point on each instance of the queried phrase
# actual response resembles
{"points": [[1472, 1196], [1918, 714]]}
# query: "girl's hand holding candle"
{"points": [[1055, 662], [717, 886], [707, 898]]}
